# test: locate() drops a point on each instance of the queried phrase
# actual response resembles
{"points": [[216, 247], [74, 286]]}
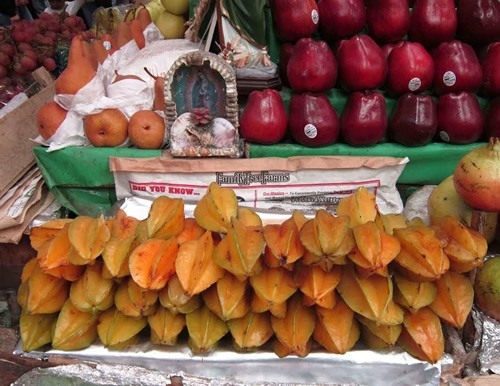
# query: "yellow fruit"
{"points": [[171, 26], [336, 329], [205, 329], [74, 329], [177, 7], [165, 326]]}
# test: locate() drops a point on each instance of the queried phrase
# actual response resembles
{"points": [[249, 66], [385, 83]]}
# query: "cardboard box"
{"points": [[17, 129]]}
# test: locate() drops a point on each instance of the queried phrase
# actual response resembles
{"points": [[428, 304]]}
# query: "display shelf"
{"points": [[428, 164], [79, 177]]}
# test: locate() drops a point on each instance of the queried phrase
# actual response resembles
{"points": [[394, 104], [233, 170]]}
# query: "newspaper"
{"points": [[276, 185]]}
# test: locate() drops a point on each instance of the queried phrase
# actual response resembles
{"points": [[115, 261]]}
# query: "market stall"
{"points": [[264, 192]]}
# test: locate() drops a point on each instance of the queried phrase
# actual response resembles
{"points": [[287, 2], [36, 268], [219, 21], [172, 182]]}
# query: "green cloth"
{"points": [[428, 164], [79, 177], [260, 27], [248, 18]]}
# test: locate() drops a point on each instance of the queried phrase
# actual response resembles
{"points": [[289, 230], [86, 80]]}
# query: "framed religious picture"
{"points": [[202, 107]]}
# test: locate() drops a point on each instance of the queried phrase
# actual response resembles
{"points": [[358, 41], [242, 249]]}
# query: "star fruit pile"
{"points": [[319, 283]]}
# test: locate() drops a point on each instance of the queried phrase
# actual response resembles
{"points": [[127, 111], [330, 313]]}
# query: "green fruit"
{"points": [[487, 288], [170, 25]]}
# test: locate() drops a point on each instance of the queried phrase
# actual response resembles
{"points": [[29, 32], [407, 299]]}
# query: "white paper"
{"points": [[70, 133], [131, 95], [271, 189]]}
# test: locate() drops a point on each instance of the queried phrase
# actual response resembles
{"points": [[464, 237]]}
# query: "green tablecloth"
{"points": [[81, 180], [79, 177], [428, 164]]}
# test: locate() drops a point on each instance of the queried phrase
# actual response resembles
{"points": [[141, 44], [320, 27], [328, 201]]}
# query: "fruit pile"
{"points": [[170, 16], [400, 74], [29, 44], [96, 100], [329, 279]]}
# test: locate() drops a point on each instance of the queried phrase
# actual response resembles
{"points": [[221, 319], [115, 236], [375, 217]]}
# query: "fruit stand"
{"points": [[238, 183]]}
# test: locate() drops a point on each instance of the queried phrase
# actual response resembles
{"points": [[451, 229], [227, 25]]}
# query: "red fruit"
{"points": [[410, 68], [361, 64], [491, 70], [388, 47], [388, 20], [22, 47], [479, 21], [18, 68], [28, 63], [53, 26], [5, 81], [433, 22], [312, 66], [51, 35], [492, 120], [71, 22], [341, 19], [8, 49], [294, 19], [19, 36], [5, 60], [456, 68], [49, 64], [286, 51], [264, 119], [364, 119], [45, 16], [414, 120], [313, 121], [3, 72], [38, 38], [30, 54], [460, 119], [30, 32]]}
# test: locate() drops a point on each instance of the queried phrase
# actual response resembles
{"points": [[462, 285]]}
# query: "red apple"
{"points": [[341, 19], [456, 68], [286, 51], [491, 70], [312, 66], [294, 19], [388, 47], [478, 21], [388, 20], [492, 120], [263, 119], [433, 22], [364, 119], [460, 119], [361, 64], [410, 68], [414, 120], [312, 120]]}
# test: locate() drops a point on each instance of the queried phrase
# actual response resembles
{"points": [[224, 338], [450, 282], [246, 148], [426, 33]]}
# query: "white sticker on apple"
{"points": [[444, 136], [449, 78], [310, 131], [414, 84], [315, 16]]}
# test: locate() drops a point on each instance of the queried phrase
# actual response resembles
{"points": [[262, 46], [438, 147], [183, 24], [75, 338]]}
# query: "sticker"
{"points": [[310, 131], [444, 136], [414, 84], [315, 16], [449, 78]]}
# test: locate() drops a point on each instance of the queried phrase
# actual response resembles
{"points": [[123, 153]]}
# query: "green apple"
{"points": [[177, 7], [155, 8], [487, 287], [170, 25]]}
